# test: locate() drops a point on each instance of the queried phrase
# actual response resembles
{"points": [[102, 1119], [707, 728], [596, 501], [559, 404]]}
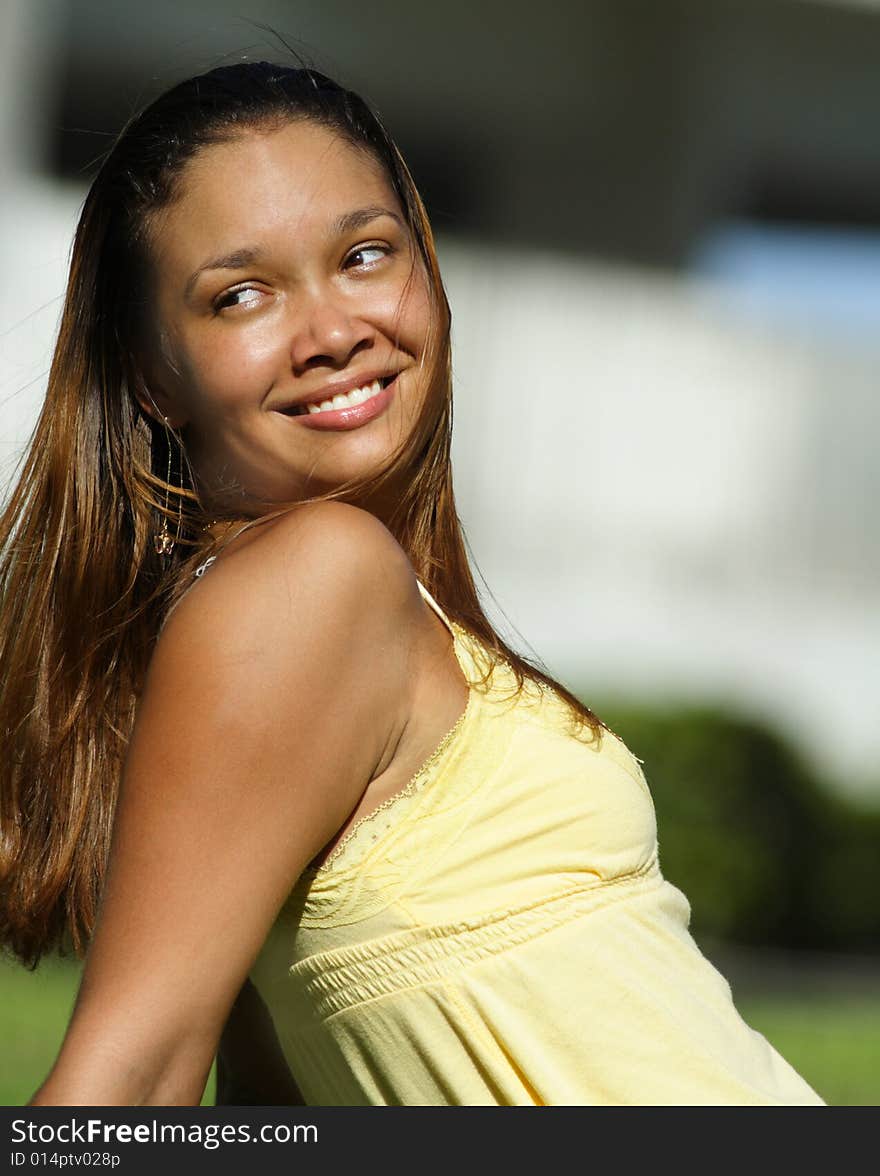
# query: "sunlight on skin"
{"points": [[285, 267]]}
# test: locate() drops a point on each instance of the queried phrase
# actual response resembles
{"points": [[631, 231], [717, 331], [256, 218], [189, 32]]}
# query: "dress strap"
{"points": [[435, 606]]}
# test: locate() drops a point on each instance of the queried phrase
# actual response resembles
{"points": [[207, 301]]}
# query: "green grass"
{"points": [[34, 1008], [831, 1038]]}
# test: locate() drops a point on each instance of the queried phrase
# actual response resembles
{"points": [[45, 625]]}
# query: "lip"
{"points": [[319, 395], [350, 417]]}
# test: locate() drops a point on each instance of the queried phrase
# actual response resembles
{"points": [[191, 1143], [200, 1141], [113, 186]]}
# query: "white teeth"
{"points": [[348, 399]]}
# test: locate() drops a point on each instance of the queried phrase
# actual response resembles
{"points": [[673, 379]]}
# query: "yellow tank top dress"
{"points": [[500, 933]]}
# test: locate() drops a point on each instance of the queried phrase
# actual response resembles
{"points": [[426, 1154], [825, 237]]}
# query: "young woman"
{"points": [[360, 848]]}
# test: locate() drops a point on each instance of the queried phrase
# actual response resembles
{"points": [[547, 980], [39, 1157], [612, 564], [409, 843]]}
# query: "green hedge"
{"points": [[765, 854]]}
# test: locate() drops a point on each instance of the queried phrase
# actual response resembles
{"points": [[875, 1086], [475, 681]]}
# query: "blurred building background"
{"points": [[660, 228]]}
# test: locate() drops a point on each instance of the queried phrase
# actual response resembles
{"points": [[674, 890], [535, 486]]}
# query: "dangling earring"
{"points": [[162, 541]]}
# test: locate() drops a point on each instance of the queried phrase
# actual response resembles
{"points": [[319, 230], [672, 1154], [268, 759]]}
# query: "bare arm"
{"points": [[271, 697]]}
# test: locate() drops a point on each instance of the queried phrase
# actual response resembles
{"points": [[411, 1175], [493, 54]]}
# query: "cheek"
{"points": [[231, 367], [410, 315]]}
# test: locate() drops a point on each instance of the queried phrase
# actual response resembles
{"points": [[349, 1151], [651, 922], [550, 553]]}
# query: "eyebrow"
{"points": [[349, 222]]}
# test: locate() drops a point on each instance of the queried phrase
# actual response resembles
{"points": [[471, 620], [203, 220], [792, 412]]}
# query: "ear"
{"points": [[157, 403]]}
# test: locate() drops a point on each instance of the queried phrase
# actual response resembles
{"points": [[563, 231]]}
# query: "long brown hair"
{"points": [[83, 589]]}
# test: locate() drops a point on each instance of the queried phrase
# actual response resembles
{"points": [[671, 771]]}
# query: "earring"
{"points": [[162, 540]]}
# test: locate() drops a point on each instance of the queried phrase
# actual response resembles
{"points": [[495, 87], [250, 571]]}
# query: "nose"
{"points": [[327, 332]]}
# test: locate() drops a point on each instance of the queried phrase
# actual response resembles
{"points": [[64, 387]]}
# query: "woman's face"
{"points": [[285, 276]]}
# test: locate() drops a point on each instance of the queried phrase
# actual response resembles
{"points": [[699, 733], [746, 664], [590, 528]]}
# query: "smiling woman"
{"points": [[317, 294], [373, 855]]}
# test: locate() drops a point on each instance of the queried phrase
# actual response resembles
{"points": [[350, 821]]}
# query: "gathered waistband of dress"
{"points": [[333, 981]]}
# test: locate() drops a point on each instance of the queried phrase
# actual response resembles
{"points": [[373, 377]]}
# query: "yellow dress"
{"points": [[500, 933]]}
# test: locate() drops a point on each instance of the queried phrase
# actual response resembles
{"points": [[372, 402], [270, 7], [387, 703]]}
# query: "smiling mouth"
{"points": [[350, 399]]}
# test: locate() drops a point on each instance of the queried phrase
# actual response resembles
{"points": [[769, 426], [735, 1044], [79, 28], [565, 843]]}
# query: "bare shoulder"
{"points": [[321, 563], [309, 627], [333, 529]]}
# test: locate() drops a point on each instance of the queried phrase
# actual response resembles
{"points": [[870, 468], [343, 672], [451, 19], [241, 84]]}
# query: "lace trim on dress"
{"points": [[417, 781]]}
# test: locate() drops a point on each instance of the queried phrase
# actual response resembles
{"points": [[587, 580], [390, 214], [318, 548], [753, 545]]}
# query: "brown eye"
{"points": [[231, 298], [366, 256]]}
